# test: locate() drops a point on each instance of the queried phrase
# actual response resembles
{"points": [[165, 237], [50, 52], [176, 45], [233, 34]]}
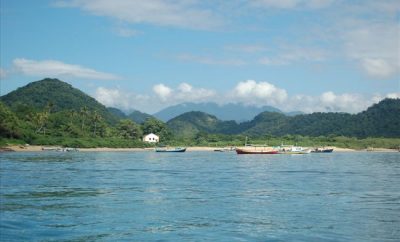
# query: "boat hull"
{"points": [[323, 151], [293, 152], [259, 152], [177, 150]]}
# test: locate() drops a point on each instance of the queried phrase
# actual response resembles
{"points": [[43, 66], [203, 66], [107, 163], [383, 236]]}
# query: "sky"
{"points": [[296, 55]]}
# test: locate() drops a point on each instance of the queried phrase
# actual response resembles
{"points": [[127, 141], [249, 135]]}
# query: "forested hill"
{"points": [[54, 94], [380, 120], [136, 116], [189, 124]]}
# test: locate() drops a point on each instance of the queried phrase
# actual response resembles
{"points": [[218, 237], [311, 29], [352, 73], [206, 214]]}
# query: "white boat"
{"points": [[67, 149], [225, 149], [291, 150]]}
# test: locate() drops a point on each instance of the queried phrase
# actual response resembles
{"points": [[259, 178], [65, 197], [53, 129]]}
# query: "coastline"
{"points": [[38, 148]]}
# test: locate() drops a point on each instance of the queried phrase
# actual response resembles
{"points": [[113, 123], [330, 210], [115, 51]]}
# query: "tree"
{"points": [[9, 123], [84, 113], [40, 119], [128, 129], [96, 118], [155, 126]]}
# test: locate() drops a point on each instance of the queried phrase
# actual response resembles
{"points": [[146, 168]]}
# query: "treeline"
{"points": [[82, 128], [52, 112], [86, 128], [379, 120]]}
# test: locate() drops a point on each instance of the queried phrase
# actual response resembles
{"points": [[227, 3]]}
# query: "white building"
{"points": [[151, 138]]}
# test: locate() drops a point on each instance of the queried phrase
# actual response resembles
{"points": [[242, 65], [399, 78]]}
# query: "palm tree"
{"points": [[84, 112], [40, 120], [96, 118]]}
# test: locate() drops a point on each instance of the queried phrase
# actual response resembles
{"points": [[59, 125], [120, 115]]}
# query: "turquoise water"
{"points": [[199, 196]]}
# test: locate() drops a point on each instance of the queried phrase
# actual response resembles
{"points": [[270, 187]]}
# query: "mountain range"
{"points": [[382, 119], [379, 120], [232, 111]]}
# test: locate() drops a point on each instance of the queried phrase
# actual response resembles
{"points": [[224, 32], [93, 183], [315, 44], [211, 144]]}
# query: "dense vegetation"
{"points": [[380, 120], [60, 96], [51, 112]]}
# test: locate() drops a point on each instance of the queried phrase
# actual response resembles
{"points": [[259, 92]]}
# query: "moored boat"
{"points": [[226, 149], [294, 150], [173, 149], [256, 150], [67, 149], [322, 150]]}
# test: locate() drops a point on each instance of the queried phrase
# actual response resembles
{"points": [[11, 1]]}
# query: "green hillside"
{"points": [[380, 120], [116, 112], [139, 117], [191, 123], [57, 95]]}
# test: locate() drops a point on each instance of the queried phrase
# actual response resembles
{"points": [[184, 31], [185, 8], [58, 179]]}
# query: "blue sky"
{"points": [[315, 55]]}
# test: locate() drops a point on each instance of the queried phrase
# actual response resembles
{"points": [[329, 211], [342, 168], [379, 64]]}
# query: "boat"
{"points": [[172, 149], [262, 150], [225, 149], [322, 150], [50, 148], [67, 149], [60, 149], [293, 150]]}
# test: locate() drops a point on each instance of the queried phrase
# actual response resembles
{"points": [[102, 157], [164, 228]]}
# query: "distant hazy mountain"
{"points": [[237, 112]]}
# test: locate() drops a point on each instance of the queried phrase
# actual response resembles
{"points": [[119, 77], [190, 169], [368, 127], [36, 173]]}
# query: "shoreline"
{"points": [[39, 148]]}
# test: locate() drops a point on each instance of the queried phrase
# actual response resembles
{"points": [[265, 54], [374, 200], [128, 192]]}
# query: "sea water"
{"points": [[199, 196]]}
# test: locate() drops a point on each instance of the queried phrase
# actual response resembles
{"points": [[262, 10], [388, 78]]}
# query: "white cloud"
{"points": [[186, 92], [376, 47], [53, 68], [183, 93], [247, 92], [252, 92], [379, 68], [393, 95], [344, 102], [185, 88], [176, 13], [127, 101], [331, 102], [291, 54], [162, 91], [162, 97]]}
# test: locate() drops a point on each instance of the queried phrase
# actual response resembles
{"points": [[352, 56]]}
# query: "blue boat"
{"points": [[175, 149]]}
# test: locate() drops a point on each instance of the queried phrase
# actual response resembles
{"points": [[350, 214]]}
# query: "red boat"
{"points": [[260, 151]]}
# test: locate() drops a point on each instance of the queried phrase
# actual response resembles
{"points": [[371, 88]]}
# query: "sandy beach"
{"points": [[39, 148]]}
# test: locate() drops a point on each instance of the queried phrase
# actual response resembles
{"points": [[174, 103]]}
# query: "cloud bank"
{"points": [[54, 68], [175, 13], [249, 92]]}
